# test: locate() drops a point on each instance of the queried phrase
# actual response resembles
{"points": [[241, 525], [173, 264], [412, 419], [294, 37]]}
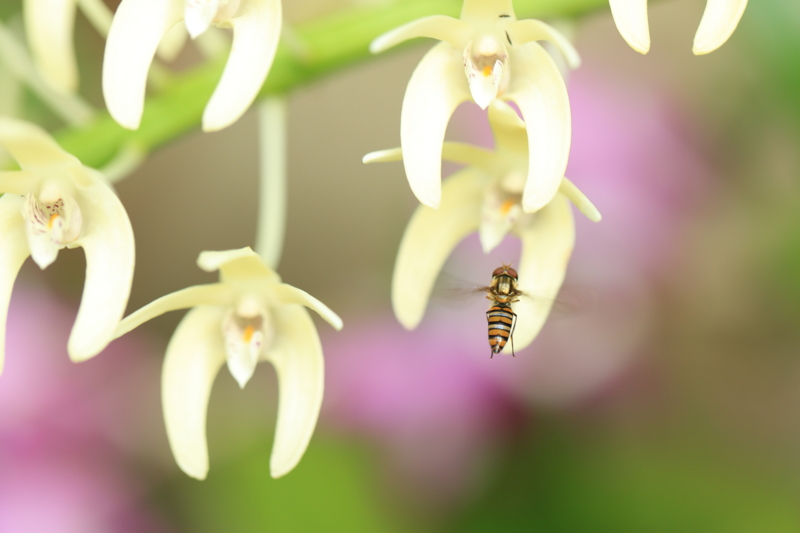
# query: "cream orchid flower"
{"points": [[249, 316], [719, 20], [139, 26], [487, 54], [55, 202], [486, 196]]}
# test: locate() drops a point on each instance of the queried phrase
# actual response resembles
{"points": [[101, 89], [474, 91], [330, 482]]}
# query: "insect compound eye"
{"points": [[511, 272], [498, 271]]}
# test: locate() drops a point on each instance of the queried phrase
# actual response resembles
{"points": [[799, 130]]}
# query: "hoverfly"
{"points": [[502, 293]]}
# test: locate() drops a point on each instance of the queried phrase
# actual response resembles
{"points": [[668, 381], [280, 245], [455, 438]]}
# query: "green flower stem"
{"points": [[330, 43]]}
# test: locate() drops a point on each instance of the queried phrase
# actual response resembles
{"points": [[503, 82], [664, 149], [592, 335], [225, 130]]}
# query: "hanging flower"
{"points": [[719, 20], [139, 26], [487, 197], [55, 202], [486, 54], [249, 316]]}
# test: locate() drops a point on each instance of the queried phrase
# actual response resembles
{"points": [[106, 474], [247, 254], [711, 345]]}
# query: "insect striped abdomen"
{"points": [[501, 321]]}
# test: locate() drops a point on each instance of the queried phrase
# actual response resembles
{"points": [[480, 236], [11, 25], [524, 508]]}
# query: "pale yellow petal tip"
{"points": [[379, 44], [199, 471], [281, 468], [641, 47], [700, 49], [78, 353], [382, 156], [335, 321]]}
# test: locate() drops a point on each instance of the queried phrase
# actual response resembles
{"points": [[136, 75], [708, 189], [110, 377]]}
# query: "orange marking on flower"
{"points": [[248, 333], [506, 207], [53, 218], [487, 70]]}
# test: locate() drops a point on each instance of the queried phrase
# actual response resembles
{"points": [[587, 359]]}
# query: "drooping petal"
{"points": [[440, 27], [292, 295], [631, 19], [508, 129], [465, 154], [172, 43], [33, 148], [256, 31], [539, 90], [19, 182], [242, 263], [719, 20], [211, 294], [49, 26], [107, 240], [525, 31], [429, 238], [436, 88], [13, 252], [136, 30], [297, 357], [487, 10], [198, 15], [546, 248], [580, 200], [194, 356]]}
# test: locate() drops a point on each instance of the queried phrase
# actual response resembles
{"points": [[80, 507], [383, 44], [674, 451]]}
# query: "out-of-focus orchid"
{"points": [[139, 26], [486, 197], [719, 20], [501, 59], [249, 316], [55, 202]]}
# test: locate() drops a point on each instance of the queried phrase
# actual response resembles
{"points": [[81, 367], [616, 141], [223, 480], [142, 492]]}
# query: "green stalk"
{"points": [[330, 43]]}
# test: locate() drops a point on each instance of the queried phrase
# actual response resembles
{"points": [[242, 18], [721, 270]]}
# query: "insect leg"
{"points": [[511, 336]]}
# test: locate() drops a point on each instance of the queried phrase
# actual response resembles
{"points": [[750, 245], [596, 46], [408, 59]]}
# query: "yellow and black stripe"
{"points": [[501, 326]]}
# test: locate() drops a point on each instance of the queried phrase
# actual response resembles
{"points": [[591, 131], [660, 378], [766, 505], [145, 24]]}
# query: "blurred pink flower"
{"points": [[61, 466]]}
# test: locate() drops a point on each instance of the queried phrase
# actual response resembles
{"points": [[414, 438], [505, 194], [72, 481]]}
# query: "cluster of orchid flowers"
{"points": [[488, 56]]}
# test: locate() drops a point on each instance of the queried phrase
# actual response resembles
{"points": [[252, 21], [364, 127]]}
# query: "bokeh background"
{"points": [[671, 404]]}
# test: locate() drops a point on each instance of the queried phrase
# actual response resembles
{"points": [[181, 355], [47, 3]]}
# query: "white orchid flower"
{"points": [[486, 197], [486, 54], [139, 26], [55, 202], [249, 316], [719, 20]]}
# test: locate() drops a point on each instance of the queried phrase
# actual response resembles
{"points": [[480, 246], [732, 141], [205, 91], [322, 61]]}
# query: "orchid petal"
{"points": [[383, 156], [441, 27], [135, 32], [508, 129], [579, 200], [481, 10], [19, 182], [211, 294], [292, 295], [33, 148], [631, 19], [719, 20], [546, 247], [107, 240], [194, 356], [256, 32], [297, 357], [198, 15], [528, 30], [539, 90], [436, 88], [49, 25], [242, 263], [465, 154], [429, 238], [13, 252], [172, 43]]}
